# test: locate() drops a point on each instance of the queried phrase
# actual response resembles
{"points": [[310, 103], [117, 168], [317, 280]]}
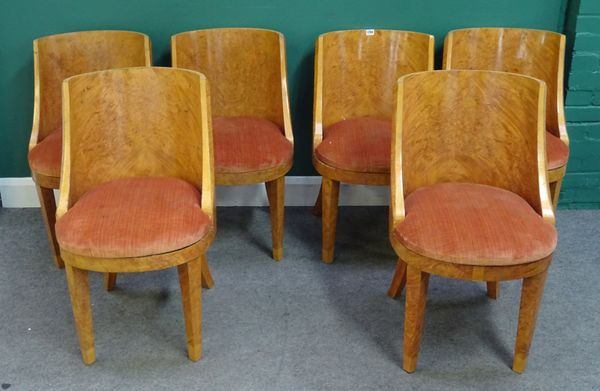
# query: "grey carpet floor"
{"points": [[297, 324]]}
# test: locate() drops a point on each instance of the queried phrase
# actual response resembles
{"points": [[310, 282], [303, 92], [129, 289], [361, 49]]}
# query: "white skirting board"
{"points": [[299, 191]]}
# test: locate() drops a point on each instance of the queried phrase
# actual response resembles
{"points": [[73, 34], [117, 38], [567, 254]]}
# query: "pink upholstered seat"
{"points": [[45, 157], [359, 144], [245, 144], [134, 217], [474, 224], [557, 151]]}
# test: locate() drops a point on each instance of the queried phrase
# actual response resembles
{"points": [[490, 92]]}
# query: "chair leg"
{"points": [[416, 297], [207, 280], [110, 280], [276, 195], [399, 280], [531, 297], [79, 290], [318, 208], [48, 206], [493, 289], [330, 196], [191, 298], [555, 192]]}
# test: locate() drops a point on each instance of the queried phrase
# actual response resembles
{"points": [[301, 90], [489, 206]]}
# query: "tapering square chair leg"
{"points": [[531, 297], [493, 289], [207, 280], [416, 298], [318, 208], [110, 280], [276, 195], [48, 206], [191, 298], [330, 196], [555, 192], [79, 290], [399, 280]]}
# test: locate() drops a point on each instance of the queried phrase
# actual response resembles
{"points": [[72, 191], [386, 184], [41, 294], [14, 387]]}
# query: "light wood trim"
{"points": [[147, 50], [447, 52], [208, 159], [547, 210], [396, 176], [35, 127], [318, 95], [65, 181], [431, 59], [560, 101], [287, 120]]}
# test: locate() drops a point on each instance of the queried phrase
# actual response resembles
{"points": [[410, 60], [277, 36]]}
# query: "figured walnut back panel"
{"points": [[534, 53], [357, 70], [133, 122], [58, 57], [473, 126], [243, 66]]}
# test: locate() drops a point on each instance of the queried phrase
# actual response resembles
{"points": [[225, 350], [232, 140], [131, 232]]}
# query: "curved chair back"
{"points": [[471, 126], [535, 53], [135, 122], [57, 57], [246, 68], [356, 71]]}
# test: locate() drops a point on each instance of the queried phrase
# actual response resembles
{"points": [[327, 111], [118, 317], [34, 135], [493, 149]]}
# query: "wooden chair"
{"points": [[56, 58], [536, 53], [252, 126], [469, 190], [137, 184], [355, 76]]}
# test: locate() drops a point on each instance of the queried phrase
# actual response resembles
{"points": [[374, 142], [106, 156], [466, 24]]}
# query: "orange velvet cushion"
{"points": [[134, 217], [359, 144], [245, 144], [45, 157], [557, 151], [474, 224]]}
